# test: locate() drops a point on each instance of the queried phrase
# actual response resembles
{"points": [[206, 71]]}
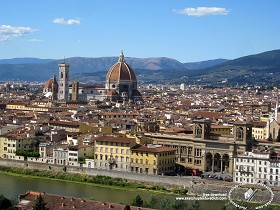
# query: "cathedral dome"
{"points": [[48, 84], [121, 71]]}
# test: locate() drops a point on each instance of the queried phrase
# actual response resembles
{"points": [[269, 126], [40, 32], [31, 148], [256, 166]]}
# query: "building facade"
{"points": [[113, 153], [152, 159]]}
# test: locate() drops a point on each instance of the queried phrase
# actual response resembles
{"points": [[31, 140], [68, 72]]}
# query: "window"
{"points": [[197, 162], [197, 152]]}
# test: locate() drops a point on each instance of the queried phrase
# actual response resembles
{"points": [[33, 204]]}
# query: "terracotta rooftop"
{"points": [[115, 139], [55, 202], [152, 148]]}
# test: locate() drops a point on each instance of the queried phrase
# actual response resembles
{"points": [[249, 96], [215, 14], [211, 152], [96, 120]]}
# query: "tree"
{"points": [[137, 201], [127, 207], [4, 202], [196, 205], [152, 202], [40, 204], [165, 204], [224, 207]]}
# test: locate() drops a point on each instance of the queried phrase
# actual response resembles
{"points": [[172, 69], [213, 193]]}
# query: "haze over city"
{"points": [[188, 30]]}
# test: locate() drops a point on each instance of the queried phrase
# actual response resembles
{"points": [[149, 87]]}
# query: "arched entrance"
{"points": [[209, 157], [217, 162], [225, 163]]}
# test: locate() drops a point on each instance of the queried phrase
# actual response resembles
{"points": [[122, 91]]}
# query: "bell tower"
{"points": [[202, 129], [63, 81]]}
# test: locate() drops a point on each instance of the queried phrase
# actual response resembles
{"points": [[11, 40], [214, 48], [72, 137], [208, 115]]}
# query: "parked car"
{"points": [[228, 179], [193, 172], [219, 178]]}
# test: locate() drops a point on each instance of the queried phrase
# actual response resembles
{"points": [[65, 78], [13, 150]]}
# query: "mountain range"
{"points": [[263, 68]]}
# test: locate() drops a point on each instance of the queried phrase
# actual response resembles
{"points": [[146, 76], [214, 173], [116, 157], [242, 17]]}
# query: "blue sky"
{"points": [[186, 30]]}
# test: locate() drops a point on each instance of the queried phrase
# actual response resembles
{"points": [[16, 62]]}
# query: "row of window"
{"points": [[106, 165], [112, 143], [106, 150], [245, 160], [116, 159]]}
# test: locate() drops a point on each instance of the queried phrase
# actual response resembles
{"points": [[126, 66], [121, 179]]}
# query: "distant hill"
{"points": [[204, 64], [263, 68], [23, 60], [30, 69]]}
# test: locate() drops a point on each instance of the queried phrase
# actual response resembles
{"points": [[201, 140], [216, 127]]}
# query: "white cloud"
{"points": [[35, 40], [8, 32], [66, 22], [202, 11]]}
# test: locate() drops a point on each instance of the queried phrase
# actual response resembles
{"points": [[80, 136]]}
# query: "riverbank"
{"points": [[12, 186], [97, 181]]}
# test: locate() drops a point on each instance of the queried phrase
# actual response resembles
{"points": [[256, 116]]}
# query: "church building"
{"points": [[120, 85]]}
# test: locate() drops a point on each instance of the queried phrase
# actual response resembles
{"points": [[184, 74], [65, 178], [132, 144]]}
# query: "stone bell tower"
{"points": [[202, 129], [63, 81]]}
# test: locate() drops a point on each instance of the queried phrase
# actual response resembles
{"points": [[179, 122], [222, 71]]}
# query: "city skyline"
{"points": [[184, 30]]}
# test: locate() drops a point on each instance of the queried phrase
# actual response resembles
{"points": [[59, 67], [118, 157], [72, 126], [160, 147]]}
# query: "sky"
{"points": [[186, 30]]}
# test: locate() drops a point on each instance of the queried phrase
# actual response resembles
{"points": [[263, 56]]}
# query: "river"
{"points": [[12, 186]]}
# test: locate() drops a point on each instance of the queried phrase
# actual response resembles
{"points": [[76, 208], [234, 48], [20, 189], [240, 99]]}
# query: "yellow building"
{"points": [[259, 130], [9, 144], [221, 129], [113, 152], [152, 159]]}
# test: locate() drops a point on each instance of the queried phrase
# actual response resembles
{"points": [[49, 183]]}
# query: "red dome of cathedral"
{"points": [[121, 71], [48, 84]]}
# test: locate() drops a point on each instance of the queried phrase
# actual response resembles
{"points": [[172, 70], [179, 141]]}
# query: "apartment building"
{"points": [[253, 168], [152, 159], [113, 152]]}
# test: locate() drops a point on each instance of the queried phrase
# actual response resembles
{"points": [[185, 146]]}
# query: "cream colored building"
{"points": [[113, 153]]}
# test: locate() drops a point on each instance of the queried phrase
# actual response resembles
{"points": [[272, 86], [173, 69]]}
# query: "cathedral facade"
{"points": [[120, 85]]}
